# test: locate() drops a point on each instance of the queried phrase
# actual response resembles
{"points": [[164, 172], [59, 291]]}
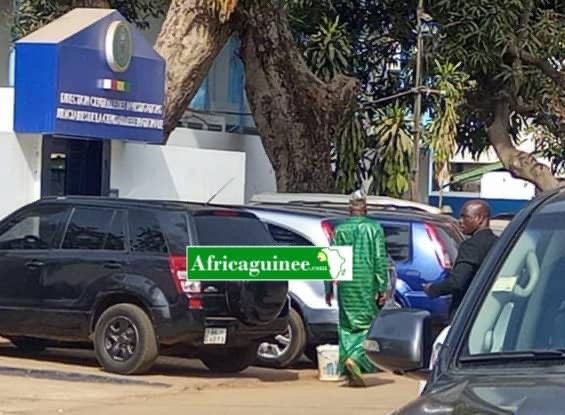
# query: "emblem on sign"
{"points": [[119, 47]]}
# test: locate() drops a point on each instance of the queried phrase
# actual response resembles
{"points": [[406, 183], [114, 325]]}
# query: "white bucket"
{"points": [[328, 359]]}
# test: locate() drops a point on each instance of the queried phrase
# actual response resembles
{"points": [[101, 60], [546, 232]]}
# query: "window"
{"points": [[175, 228], [34, 229], [146, 234], [397, 241], [231, 230], [524, 308], [88, 228], [283, 236], [115, 239]]}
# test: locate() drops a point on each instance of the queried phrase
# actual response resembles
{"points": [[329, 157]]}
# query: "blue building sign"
{"points": [[88, 74]]}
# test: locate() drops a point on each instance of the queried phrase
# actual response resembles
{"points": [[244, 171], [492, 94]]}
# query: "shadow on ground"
{"points": [[165, 366]]}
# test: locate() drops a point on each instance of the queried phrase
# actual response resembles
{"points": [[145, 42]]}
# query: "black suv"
{"points": [[111, 273]]}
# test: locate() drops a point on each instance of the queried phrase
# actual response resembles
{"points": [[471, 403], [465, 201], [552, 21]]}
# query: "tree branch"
{"points": [[556, 76], [518, 163], [523, 108]]}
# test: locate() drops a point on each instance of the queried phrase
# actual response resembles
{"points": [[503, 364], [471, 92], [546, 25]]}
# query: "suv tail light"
{"points": [[191, 289], [440, 249], [328, 229]]}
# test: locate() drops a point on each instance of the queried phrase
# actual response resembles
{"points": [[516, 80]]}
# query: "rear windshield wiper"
{"points": [[542, 354]]}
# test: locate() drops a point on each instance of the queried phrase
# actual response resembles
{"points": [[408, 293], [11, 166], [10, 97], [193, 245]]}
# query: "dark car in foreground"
{"points": [[505, 350], [111, 273]]}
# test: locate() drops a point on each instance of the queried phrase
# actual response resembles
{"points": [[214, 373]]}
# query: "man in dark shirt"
{"points": [[474, 221]]}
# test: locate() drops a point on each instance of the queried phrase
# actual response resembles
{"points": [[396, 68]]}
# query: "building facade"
{"points": [[215, 150]]}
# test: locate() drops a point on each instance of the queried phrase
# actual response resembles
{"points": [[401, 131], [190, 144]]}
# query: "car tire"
{"points": [[229, 360], [124, 340], [294, 350], [28, 344]]}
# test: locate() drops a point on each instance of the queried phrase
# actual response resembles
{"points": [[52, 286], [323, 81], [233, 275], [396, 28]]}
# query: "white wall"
{"points": [[259, 176], [20, 169], [177, 173], [501, 185], [20, 161], [6, 109]]}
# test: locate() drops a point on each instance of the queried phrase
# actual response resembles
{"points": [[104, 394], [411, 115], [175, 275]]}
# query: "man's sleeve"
{"points": [[380, 260], [460, 276]]}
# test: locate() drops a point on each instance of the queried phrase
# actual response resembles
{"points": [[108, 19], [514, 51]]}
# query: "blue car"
{"points": [[424, 247]]}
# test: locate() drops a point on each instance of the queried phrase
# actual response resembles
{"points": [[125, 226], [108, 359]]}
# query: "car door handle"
{"points": [[113, 265], [34, 264]]}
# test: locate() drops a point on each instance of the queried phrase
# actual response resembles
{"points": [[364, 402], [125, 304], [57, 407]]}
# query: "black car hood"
{"points": [[488, 395]]}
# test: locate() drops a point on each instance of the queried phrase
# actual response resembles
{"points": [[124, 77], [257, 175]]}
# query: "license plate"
{"points": [[215, 336]]}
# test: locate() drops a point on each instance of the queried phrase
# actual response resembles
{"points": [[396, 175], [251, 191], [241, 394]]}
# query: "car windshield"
{"points": [[524, 309]]}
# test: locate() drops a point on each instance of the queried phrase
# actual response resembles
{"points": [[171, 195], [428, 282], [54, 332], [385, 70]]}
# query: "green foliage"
{"points": [[389, 126], [30, 15], [488, 39], [442, 133], [350, 144], [329, 51]]}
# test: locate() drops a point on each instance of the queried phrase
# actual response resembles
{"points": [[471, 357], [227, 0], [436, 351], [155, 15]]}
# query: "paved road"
{"points": [[70, 382]]}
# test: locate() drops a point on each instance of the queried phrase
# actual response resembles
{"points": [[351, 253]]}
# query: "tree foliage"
{"points": [[394, 146], [445, 113], [514, 53], [501, 73], [30, 15], [351, 38]]}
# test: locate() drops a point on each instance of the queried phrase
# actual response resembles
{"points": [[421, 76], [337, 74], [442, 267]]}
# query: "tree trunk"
{"points": [[295, 112], [190, 39], [518, 163]]}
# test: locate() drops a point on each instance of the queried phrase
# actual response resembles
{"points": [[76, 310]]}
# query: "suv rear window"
{"points": [[158, 231], [145, 232], [231, 230], [175, 229]]}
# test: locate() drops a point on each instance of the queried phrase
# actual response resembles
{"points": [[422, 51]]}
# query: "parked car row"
{"points": [[110, 274]]}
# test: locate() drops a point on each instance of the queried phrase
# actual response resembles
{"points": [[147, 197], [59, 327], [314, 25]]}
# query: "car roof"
{"points": [[142, 203], [336, 212], [335, 199]]}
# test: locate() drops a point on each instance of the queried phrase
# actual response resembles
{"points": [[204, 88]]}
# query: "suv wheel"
{"points": [[124, 340], [230, 360], [287, 347]]}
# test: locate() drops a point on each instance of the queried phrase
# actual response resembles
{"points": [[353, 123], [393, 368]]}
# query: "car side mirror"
{"points": [[400, 341]]}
